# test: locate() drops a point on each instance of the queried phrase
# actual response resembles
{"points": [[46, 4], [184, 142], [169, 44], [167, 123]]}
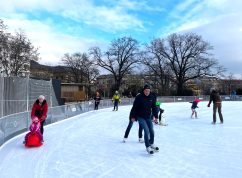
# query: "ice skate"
{"points": [[155, 148], [155, 121], [150, 150], [141, 140], [125, 140]]}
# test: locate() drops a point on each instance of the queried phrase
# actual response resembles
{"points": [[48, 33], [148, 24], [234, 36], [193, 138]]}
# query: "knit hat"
{"points": [[35, 119], [146, 86], [41, 97], [157, 103], [197, 100]]}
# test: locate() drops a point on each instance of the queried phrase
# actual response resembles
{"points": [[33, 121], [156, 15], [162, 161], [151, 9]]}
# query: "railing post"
{"points": [[27, 97], [2, 89], [27, 93], [1, 108], [51, 103]]}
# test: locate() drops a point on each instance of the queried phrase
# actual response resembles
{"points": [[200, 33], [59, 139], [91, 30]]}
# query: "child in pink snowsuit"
{"points": [[34, 129]]}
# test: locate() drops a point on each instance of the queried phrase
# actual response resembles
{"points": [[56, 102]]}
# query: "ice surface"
{"points": [[90, 145]]}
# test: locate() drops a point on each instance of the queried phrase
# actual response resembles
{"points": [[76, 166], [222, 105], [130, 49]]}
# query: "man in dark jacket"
{"points": [[143, 104], [217, 104]]}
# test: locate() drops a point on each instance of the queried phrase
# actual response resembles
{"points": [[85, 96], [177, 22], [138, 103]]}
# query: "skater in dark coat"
{"points": [[129, 128], [40, 109], [142, 106], [97, 99], [217, 105]]}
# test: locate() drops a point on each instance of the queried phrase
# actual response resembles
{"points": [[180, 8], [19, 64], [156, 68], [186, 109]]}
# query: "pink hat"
{"points": [[35, 119], [197, 100]]}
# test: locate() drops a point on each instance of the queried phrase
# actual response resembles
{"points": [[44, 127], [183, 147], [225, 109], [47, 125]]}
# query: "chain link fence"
{"points": [[18, 94]]}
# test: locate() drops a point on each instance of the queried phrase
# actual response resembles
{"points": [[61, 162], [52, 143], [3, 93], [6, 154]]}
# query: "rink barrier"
{"points": [[15, 124]]}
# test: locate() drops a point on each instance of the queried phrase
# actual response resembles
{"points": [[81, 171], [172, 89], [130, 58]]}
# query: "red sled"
{"points": [[33, 140]]}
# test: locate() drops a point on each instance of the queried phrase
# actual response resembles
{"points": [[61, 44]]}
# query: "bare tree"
{"points": [[16, 52], [21, 53], [74, 62], [119, 59], [90, 70], [187, 57], [82, 68], [157, 67], [227, 83], [4, 47]]}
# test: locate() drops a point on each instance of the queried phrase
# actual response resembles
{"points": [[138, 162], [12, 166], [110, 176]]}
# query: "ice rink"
{"points": [[90, 145]]}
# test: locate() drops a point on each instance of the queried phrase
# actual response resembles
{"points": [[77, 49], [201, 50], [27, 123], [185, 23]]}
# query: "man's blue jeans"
{"points": [[147, 125]]}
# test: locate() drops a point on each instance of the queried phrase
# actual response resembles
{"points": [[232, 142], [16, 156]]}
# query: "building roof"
{"points": [[36, 65]]}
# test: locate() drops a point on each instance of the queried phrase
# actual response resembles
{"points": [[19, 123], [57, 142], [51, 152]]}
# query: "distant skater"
{"points": [[116, 100], [97, 99], [217, 105], [194, 107]]}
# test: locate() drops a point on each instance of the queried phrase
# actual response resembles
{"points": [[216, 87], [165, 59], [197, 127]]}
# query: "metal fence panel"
{"points": [[18, 94], [36, 88], [2, 137], [58, 113], [13, 125]]}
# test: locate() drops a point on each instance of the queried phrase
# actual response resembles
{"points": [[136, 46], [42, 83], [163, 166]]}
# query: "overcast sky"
{"points": [[68, 26]]}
